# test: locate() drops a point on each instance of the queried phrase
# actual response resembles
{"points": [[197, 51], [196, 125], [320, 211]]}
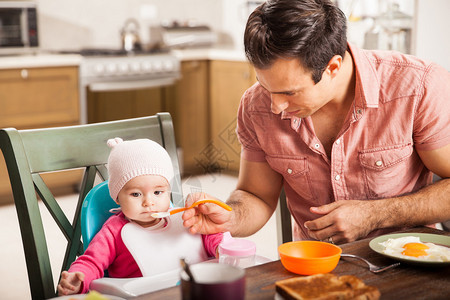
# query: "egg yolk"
{"points": [[415, 249]]}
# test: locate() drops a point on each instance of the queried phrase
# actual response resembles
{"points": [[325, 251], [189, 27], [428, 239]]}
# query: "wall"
{"points": [[432, 38], [67, 24]]}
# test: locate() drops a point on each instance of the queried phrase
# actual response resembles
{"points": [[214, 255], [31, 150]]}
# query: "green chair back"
{"points": [[30, 152]]}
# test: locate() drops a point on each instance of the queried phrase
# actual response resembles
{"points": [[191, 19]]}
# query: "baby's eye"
{"points": [[157, 193], [136, 194]]}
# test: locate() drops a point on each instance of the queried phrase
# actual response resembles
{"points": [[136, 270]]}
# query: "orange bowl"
{"points": [[309, 257]]}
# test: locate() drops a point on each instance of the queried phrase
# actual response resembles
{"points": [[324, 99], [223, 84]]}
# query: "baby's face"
{"points": [[142, 196]]}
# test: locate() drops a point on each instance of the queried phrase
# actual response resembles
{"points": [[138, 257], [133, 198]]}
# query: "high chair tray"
{"points": [[83, 296], [132, 287]]}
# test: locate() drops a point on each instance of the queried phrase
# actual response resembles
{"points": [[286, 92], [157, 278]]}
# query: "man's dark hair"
{"points": [[312, 31]]}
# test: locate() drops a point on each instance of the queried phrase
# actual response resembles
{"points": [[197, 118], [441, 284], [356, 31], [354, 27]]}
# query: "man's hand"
{"points": [[70, 283], [206, 218], [344, 221]]}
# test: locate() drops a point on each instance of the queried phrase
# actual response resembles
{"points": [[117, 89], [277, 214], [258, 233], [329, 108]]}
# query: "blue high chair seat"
{"points": [[95, 211]]}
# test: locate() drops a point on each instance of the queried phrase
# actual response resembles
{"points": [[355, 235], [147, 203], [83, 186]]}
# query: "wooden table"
{"points": [[403, 282]]}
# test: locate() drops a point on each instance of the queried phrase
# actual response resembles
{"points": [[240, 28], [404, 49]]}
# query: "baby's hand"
{"points": [[70, 283]]}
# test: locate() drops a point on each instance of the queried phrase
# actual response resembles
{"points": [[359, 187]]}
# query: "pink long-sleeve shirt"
{"points": [[107, 251], [401, 104]]}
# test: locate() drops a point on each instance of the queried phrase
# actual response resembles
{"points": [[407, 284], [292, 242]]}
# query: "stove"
{"points": [[105, 70], [114, 52]]}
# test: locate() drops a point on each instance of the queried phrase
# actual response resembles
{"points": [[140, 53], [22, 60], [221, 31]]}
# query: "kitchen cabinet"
{"points": [[37, 98], [203, 105], [228, 82], [116, 105], [188, 104]]}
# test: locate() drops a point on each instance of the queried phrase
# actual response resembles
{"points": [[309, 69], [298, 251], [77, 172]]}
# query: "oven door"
{"points": [[124, 99]]}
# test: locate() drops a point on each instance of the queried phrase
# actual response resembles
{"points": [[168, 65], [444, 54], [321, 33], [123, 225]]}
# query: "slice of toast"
{"points": [[326, 287]]}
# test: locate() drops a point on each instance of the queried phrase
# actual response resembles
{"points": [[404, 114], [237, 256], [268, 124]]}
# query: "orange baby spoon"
{"points": [[177, 210]]}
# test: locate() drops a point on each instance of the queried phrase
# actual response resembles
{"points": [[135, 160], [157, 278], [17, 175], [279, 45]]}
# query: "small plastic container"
{"points": [[237, 252]]}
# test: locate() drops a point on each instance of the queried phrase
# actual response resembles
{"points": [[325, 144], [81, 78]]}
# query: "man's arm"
{"points": [[253, 202], [347, 221], [438, 161], [255, 198], [432, 203]]}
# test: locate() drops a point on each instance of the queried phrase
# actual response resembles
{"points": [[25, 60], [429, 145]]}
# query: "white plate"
{"points": [[424, 237]]}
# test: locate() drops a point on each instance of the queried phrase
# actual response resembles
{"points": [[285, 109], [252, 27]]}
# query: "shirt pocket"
{"points": [[295, 172], [383, 168]]}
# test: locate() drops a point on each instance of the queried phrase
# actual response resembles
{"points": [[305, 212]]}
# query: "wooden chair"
{"points": [[31, 152], [283, 220]]}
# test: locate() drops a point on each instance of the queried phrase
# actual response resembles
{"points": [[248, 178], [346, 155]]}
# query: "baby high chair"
{"points": [[29, 153]]}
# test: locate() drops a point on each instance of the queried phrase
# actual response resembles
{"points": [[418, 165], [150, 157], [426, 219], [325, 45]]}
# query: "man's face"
{"points": [[292, 89]]}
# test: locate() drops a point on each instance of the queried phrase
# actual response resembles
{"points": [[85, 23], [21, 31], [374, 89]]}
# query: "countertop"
{"points": [[228, 54], [56, 60], [39, 60]]}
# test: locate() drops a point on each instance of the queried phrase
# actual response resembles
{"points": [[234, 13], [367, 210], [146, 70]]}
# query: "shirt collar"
{"points": [[367, 81]]}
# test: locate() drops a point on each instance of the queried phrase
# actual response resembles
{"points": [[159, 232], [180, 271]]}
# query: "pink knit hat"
{"points": [[130, 159]]}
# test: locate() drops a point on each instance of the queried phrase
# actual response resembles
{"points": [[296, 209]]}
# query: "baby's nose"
{"points": [[147, 202]]}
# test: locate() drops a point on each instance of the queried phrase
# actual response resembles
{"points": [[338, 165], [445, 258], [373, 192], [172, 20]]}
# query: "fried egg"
{"points": [[411, 247]]}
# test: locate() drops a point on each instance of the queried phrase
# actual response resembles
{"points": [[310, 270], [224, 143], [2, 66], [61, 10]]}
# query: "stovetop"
{"points": [[119, 64], [96, 52]]}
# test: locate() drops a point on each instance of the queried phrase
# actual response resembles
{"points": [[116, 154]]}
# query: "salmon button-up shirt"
{"points": [[401, 104]]}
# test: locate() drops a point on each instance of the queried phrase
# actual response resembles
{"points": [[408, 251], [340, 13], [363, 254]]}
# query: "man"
{"points": [[352, 135]]}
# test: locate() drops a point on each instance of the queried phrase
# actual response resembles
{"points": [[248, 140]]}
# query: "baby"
{"points": [[132, 243]]}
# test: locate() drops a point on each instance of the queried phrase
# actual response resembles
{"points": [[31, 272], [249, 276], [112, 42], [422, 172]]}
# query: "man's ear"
{"points": [[334, 65]]}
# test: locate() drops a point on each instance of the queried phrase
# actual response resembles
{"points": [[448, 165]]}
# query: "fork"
{"points": [[373, 268]]}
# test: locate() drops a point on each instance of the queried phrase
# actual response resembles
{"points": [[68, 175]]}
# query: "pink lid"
{"points": [[236, 247]]}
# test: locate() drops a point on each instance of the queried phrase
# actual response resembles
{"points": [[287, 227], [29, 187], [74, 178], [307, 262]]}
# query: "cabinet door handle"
{"points": [[194, 65], [24, 73]]}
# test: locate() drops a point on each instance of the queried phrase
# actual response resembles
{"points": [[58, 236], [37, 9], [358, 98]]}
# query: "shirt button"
{"points": [[289, 171], [317, 146], [359, 111], [337, 177], [338, 142], [379, 163]]}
